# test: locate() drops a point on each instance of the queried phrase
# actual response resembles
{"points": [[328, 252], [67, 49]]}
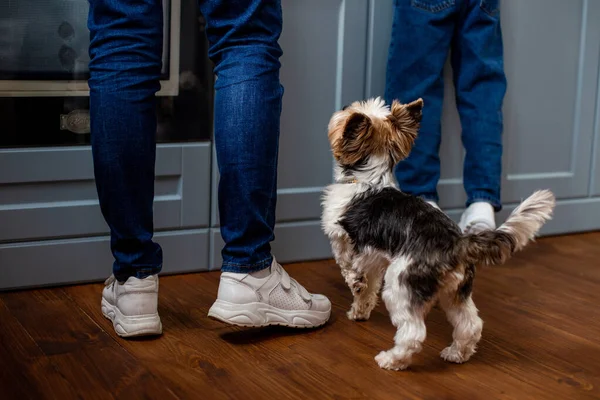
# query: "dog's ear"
{"points": [[405, 119], [403, 114], [353, 146], [415, 109], [356, 127]]}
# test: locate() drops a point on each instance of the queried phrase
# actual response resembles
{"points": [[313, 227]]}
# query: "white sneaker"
{"points": [[132, 306], [478, 217], [277, 299]]}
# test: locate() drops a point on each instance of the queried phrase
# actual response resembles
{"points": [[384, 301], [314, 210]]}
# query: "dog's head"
{"points": [[370, 134]]}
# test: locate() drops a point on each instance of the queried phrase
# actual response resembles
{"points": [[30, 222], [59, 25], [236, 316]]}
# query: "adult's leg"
{"points": [[125, 63], [421, 35], [478, 64], [244, 47], [125, 52]]}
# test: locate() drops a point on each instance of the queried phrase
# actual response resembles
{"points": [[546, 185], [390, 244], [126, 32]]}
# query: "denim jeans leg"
{"points": [[243, 37], [478, 64], [125, 63], [421, 34]]}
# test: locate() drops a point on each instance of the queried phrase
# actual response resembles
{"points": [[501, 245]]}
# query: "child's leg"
{"points": [[477, 61], [421, 35]]}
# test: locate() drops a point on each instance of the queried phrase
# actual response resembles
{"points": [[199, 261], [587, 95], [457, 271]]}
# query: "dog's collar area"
{"points": [[349, 180]]}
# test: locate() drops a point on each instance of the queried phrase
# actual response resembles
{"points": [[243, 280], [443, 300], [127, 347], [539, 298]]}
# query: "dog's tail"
{"points": [[495, 247]]}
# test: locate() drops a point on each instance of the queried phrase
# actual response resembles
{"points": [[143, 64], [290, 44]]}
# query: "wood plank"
{"points": [[82, 353], [539, 341], [468, 380], [183, 368], [216, 350], [25, 372]]}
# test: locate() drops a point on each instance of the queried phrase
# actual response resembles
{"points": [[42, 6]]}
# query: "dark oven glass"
{"points": [[44, 68]]}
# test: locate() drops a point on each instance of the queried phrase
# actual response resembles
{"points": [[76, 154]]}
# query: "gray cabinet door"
{"points": [[595, 168], [51, 227], [323, 68], [50, 193], [551, 62], [595, 189]]}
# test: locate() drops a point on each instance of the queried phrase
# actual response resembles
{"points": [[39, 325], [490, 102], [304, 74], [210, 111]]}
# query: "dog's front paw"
{"points": [[454, 355], [356, 315], [388, 360], [358, 285], [360, 310]]}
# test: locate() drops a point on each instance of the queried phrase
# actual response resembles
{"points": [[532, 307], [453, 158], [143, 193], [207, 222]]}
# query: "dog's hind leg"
{"points": [[463, 315], [407, 315]]}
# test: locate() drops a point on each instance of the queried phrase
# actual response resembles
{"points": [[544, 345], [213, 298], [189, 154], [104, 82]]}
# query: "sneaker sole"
{"points": [[257, 315], [126, 326]]}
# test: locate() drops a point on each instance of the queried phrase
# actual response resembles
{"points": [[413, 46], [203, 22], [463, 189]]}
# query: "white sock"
{"points": [[263, 273]]}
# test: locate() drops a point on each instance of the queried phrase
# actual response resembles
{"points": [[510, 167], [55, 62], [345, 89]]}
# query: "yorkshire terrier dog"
{"points": [[382, 236]]}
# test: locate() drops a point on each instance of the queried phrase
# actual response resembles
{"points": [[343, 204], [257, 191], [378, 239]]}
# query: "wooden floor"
{"points": [[541, 340]]}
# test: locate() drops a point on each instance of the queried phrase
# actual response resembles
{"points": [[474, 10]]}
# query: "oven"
{"points": [[44, 96]]}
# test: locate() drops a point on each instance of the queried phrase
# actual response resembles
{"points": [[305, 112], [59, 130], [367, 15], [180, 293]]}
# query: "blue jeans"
{"points": [[423, 32], [125, 50]]}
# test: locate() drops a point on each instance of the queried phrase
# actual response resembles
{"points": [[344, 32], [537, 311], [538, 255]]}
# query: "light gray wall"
{"points": [[52, 232]]}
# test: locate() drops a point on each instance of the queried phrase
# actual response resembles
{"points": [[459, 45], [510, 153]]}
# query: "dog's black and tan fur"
{"points": [[380, 235]]}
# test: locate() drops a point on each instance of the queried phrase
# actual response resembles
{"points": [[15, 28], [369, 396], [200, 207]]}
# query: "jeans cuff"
{"points": [[237, 268], [494, 201], [122, 275]]}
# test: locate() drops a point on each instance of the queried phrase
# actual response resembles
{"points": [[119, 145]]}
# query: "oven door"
{"points": [[44, 96], [44, 48]]}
